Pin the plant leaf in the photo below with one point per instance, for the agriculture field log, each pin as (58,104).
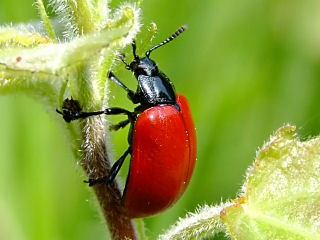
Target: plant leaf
(281,196)
(27,58)
(205,222)
(76,68)
(20,37)
(52,58)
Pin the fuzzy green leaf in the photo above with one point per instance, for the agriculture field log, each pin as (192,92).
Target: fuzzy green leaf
(28,58)
(53,58)
(17,37)
(205,222)
(281,197)
(77,67)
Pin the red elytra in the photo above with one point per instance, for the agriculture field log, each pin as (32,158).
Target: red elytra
(163,159)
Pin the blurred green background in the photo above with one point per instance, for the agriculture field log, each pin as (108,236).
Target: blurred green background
(247,68)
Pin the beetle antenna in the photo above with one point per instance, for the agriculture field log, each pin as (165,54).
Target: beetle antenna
(134,47)
(124,61)
(173,36)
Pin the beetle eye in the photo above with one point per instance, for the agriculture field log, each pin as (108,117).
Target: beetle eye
(133,65)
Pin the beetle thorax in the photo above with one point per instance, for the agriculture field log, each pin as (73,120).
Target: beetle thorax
(154,87)
(144,66)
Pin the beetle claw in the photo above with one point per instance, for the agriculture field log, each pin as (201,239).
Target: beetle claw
(71,110)
(93,181)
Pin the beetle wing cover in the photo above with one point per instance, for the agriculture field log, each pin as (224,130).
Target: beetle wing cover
(191,131)
(161,167)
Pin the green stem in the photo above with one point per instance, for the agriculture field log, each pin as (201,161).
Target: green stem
(77,69)
(96,164)
(82,16)
(47,24)
(147,39)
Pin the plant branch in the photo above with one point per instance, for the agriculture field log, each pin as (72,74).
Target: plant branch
(96,165)
(82,16)
(76,68)
(46,22)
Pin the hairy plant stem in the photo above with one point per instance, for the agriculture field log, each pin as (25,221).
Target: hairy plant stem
(76,68)
(95,157)
(96,164)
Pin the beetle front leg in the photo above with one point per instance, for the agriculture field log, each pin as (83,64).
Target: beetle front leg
(119,125)
(71,110)
(113,171)
(131,94)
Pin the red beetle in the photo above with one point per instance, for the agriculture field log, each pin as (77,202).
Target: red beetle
(162,138)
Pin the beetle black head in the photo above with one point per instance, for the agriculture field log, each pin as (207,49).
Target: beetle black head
(146,66)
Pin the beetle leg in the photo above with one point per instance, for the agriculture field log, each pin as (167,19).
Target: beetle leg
(92,181)
(134,47)
(115,111)
(131,94)
(124,61)
(116,166)
(71,110)
(121,124)
(113,171)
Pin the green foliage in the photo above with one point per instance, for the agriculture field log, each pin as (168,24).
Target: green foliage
(204,223)
(247,67)
(279,200)
(52,70)
(29,61)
